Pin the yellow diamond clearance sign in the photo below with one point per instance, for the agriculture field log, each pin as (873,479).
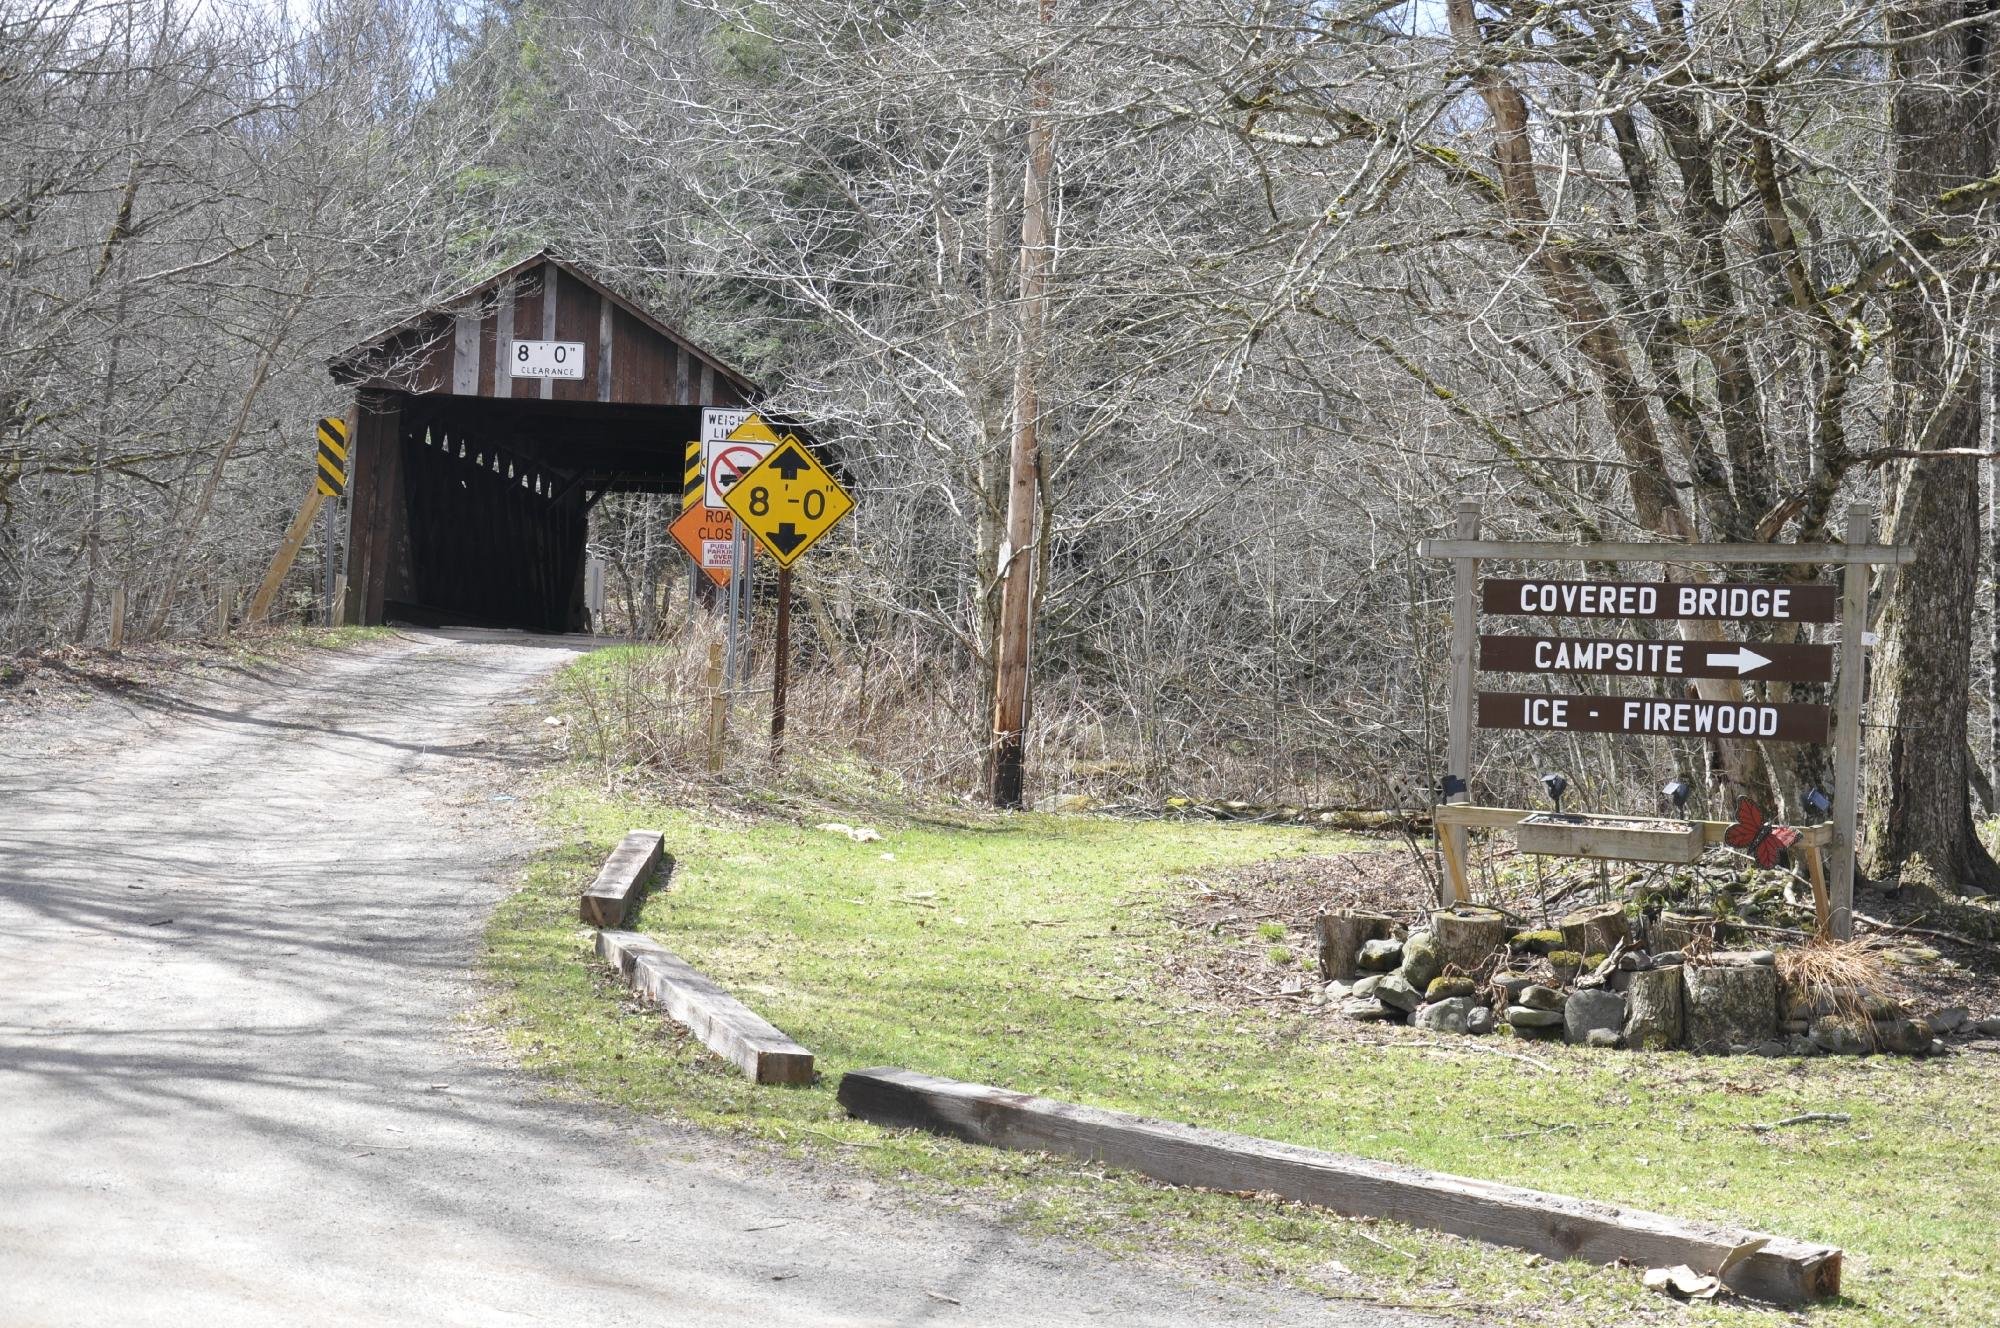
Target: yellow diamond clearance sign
(788,501)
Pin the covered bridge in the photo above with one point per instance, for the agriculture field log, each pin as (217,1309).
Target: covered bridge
(484,429)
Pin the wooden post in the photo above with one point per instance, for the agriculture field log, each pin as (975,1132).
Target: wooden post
(1007,774)
(225,600)
(781,655)
(339,600)
(288,552)
(1847,723)
(717,708)
(1458,758)
(1822,906)
(118,619)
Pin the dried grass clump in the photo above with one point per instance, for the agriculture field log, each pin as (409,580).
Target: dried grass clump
(1836,976)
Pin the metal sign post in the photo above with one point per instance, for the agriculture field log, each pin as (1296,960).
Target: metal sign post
(1730,716)
(326,567)
(781,655)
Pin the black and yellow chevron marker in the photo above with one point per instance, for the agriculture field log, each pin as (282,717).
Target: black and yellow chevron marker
(693,483)
(332,456)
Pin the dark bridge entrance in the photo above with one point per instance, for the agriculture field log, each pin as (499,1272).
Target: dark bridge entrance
(473,481)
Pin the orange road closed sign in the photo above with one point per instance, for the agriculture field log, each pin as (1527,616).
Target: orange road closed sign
(707,533)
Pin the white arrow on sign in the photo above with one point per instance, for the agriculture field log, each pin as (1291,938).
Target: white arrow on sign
(1744,658)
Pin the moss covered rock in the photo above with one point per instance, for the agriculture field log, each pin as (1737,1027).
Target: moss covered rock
(1537,942)
(1444,989)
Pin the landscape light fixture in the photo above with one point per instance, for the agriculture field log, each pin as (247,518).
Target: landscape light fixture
(1818,803)
(1676,791)
(1556,786)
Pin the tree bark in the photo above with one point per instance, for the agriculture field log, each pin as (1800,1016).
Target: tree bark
(1919,817)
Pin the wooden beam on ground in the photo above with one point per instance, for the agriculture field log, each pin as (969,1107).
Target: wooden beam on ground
(622,882)
(724,1024)
(1788,1272)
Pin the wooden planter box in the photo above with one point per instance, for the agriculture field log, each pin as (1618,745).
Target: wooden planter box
(1628,839)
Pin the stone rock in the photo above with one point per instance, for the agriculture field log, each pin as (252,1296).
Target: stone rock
(1839,1037)
(1365,989)
(1905,1037)
(1801,1046)
(1339,991)
(1588,1011)
(1446,1016)
(1523,1016)
(1989,1027)
(1365,1009)
(1444,989)
(1511,985)
(1480,1021)
(1602,1038)
(1421,963)
(1793,1027)
(1772,1048)
(1950,1021)
(1631,961)
(1537,942)
(1541,998)
(1393,990)
(1380,956)
(1730,1005)
(1741,957)
(1654,1018)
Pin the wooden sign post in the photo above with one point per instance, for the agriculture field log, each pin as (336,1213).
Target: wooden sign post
(1638,839)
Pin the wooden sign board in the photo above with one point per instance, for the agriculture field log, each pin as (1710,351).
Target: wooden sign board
(1643,715)
(1713,601)
(1632,658)
(1722,719)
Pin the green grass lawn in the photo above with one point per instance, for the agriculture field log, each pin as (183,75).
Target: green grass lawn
(1023,952)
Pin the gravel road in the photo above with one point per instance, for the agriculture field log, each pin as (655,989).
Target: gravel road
(238,922)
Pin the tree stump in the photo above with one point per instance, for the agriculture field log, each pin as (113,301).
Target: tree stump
(1469,936)
(1730,1005)
(1340,937)
(1594,930)
(1653,1011)
(1676,931)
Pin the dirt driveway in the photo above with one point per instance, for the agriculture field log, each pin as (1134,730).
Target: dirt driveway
(237,934)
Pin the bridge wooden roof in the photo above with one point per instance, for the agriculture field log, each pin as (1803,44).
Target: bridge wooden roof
(631,356)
